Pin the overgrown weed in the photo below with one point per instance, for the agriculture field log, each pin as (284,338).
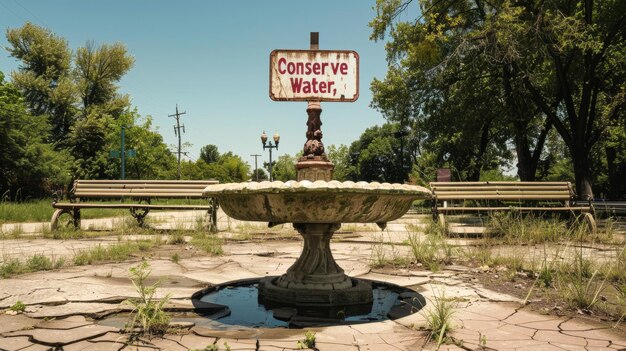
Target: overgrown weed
(148,314)
(379,250)
(439,318)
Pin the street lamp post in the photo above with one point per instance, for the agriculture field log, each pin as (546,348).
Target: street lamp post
(271,146)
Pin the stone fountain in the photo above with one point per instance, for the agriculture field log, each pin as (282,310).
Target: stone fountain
(316,206)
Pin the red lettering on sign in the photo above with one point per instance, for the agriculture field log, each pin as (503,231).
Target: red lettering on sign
(334,67)
(299,85)
(282,60)
(316,68)
(296,84)
(344,68)
(323,87)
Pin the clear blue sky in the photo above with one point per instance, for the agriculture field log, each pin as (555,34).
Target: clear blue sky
(212,58)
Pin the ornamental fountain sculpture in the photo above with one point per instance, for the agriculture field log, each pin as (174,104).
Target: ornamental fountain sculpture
(316,206)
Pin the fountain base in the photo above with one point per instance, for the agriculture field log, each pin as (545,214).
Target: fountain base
(359,293)
(315,279)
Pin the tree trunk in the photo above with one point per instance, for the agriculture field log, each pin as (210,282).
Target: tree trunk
(526,168)
(474,173)
(582,172)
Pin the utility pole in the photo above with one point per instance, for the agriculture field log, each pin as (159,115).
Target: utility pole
(177,133)
(256,169)
(122,154)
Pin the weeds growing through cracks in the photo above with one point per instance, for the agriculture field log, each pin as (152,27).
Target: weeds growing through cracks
(148,314)
(439,318)
(18,307)
(308,342)
(556,254)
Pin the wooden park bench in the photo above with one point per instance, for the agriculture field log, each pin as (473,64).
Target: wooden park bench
(489,197)
(101,193)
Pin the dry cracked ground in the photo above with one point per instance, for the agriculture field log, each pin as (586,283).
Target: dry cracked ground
(75,307)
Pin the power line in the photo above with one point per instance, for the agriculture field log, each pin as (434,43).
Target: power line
(30,12)
(14,14)
(177,128)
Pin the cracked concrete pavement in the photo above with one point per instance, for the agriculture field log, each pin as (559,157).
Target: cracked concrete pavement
(66,309)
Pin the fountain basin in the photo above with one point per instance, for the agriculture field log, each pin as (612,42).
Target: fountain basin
(241,304)
(316,210)
(316,202)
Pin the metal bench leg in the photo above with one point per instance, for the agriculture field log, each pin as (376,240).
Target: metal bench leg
(54,222)
(76,218)
(593,228)
(139,215)
(56,217)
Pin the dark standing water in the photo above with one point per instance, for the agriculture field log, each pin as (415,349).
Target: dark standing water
(246,310)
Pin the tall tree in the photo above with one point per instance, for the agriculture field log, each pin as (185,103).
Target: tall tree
(98,69)
(79,95)
(209,153)
(44,76)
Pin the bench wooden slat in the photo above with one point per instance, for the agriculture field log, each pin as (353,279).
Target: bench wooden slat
(503,192)
(501,197)
(438,189)
(108,205)
(134,191)
(490,209)
(514,183)
(84,182)
(140,195)
(142,186)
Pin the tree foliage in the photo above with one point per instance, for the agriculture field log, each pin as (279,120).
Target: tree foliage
(70,115)
(29,165)
(492,74)
(44,76)
(284,168)
(378,155)
(209,153)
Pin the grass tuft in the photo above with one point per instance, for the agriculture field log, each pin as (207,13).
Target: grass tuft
(112,253)
(210,244)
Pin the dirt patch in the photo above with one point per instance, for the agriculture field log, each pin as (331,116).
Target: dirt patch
(542,299)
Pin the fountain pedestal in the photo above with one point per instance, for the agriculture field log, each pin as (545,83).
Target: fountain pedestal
(314,165)
(315,279)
